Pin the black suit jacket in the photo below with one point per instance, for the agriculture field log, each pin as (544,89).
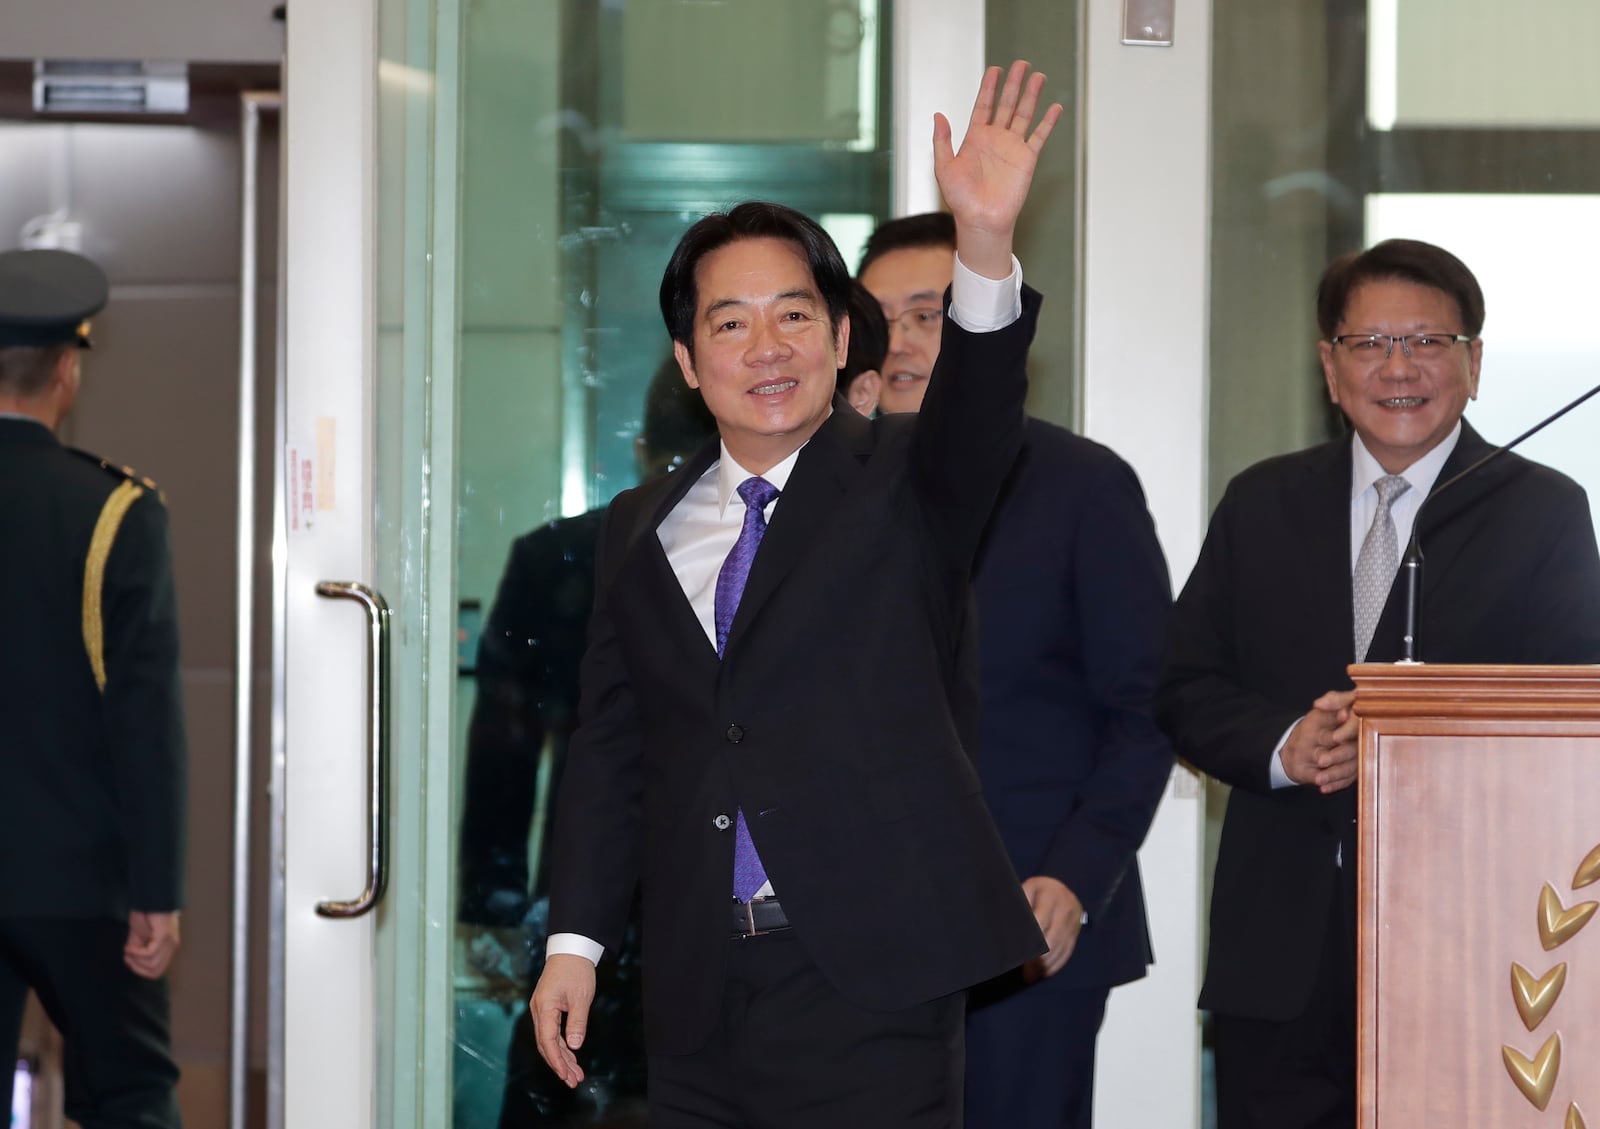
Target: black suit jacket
(840,719)
(527,689)
(92,782)
(1264,626)
(1073,598)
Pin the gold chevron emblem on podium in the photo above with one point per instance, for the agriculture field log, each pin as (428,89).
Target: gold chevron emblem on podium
(1535,996)
(1588,870)
(1536,1078)
(1575,1117)
(1557,924)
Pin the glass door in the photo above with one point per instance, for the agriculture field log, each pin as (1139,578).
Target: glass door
(479,202)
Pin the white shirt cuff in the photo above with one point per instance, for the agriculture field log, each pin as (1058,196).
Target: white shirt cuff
(573,944)
(983,305)
(1280,778)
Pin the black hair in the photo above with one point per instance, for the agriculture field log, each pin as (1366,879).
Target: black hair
(930,229)
(676,419)
(1409,260)
(754,219)
(869,336)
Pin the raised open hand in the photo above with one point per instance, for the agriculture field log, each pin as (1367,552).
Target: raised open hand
(986,182)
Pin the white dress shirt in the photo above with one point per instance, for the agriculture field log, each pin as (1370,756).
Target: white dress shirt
(1364,474)
(702,528)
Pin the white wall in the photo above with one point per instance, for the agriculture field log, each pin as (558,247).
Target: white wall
(936,57)
(1147,235)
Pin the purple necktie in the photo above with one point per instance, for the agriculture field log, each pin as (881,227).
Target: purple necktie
(748,873)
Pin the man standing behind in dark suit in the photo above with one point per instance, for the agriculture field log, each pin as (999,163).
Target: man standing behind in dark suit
(1296,580)
(1073,597)
(91,724)
(820,880)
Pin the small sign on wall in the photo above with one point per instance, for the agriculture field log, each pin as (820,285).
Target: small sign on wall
(1147,23)
(312,485)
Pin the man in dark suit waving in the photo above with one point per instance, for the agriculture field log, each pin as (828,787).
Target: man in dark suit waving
(1296,580)
(820,879)
(1073,598)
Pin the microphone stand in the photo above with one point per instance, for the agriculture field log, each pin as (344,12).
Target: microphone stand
(1411,565)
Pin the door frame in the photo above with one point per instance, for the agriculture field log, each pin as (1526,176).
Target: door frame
(1146,318)
(322,1067)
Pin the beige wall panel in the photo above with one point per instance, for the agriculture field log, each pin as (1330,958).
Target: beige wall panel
(1487,64)
(29,159)
(159,204)
(212,30)
(203,1092)
(200,971)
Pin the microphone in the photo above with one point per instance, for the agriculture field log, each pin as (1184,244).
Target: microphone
(1412,564)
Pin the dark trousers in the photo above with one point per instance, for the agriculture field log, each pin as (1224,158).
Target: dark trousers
(791,1053)
(1300,1074)
(1030,1054)
(114,1024)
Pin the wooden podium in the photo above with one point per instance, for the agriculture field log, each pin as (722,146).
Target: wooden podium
(1479,841)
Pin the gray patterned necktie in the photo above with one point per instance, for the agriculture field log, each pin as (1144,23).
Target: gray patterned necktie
(1375,565)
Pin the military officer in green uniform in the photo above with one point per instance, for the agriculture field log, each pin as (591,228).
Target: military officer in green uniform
(91,723)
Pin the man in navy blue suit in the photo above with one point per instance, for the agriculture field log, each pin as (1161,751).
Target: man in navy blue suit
(1072,595)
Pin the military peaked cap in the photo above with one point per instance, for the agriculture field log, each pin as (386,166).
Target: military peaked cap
(46,297)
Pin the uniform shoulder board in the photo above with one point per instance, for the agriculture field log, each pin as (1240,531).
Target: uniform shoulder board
(124,472)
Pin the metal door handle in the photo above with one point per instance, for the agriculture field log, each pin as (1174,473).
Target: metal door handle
(377,744)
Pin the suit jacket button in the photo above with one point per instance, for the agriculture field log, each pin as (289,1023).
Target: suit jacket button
(735,734)
(722,822)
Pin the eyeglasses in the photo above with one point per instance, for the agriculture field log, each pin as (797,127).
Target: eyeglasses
(1371,348)
(919,322)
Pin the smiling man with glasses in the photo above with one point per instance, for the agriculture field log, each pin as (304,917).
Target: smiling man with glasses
(1403,403)
(1296,580)
(907,264)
